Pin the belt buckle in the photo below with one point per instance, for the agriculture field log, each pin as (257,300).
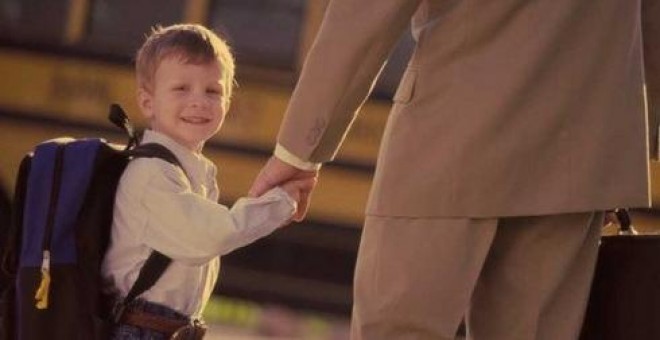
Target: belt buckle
(194,330)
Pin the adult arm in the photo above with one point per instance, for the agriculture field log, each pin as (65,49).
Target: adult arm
(354,40)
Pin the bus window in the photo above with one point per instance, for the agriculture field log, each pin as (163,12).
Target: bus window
(33,21)
(118,27)
(263,33)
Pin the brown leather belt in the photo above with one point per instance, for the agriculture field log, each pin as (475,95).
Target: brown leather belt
(151,321)
(172,328)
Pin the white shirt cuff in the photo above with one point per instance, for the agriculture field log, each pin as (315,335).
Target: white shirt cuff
(293,160)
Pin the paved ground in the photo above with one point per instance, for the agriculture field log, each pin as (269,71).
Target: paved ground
(231,318)
(222,332)
(218,332)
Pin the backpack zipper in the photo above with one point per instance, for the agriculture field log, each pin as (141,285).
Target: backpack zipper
(41,295)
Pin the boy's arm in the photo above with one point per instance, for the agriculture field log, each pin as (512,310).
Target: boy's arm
(189,228)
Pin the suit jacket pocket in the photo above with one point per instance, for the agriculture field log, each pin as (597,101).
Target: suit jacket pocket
(404,92)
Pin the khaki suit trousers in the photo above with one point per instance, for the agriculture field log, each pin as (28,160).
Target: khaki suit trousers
(510,278)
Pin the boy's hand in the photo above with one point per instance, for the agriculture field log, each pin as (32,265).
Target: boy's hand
(297,188)
(276,172)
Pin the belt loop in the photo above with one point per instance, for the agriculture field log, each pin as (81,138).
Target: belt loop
(118,311)
(200,329)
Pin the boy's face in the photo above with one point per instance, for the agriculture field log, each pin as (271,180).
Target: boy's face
(185,102)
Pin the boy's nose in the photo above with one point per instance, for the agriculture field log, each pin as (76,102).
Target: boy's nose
(199,101)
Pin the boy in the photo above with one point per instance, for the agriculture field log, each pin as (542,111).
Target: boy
(185,75)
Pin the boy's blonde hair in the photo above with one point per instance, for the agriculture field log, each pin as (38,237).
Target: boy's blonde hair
(192,43)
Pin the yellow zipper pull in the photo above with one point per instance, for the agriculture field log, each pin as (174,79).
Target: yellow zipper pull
(42,292)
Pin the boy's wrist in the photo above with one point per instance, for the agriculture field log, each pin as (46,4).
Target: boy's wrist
(289,199)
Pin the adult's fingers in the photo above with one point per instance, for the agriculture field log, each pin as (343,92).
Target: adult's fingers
(273,173)
(260,185)
(303,205)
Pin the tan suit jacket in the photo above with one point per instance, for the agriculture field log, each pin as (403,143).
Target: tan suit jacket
(507,107)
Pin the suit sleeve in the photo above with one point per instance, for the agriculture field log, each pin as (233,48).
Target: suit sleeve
(354,40)
(651,36)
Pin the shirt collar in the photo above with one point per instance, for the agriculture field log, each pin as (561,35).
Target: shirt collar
(195,164)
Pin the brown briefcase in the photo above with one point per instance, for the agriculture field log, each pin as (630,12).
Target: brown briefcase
(625,296)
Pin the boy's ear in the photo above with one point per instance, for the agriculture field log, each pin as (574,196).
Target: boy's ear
(145,102)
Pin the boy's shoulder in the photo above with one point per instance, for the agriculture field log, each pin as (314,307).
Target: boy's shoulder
(147,170)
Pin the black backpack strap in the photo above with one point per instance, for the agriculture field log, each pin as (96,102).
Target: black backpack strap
(155,150)
(157,262)
(151,271)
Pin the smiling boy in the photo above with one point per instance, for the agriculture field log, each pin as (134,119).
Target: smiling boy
(185,75)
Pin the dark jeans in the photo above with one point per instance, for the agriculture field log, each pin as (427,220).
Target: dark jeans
(128,332)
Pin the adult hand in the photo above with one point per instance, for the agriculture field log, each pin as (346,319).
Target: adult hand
(276,172)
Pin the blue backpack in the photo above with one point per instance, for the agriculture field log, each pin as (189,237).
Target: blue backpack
(60,231)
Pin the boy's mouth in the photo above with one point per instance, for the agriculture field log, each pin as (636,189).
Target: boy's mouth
(195,120)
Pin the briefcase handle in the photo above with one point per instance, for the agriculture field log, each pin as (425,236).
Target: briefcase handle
(624,222)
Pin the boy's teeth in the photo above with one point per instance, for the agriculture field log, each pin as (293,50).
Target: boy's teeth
(195,120)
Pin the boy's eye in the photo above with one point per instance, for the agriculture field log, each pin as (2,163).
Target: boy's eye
(180,88)
(213,91)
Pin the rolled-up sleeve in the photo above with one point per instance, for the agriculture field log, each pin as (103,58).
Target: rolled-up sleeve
(192,229)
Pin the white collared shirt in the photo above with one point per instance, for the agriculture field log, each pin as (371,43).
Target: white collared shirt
(158,207)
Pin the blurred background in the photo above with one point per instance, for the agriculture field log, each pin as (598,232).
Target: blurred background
(63,62)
